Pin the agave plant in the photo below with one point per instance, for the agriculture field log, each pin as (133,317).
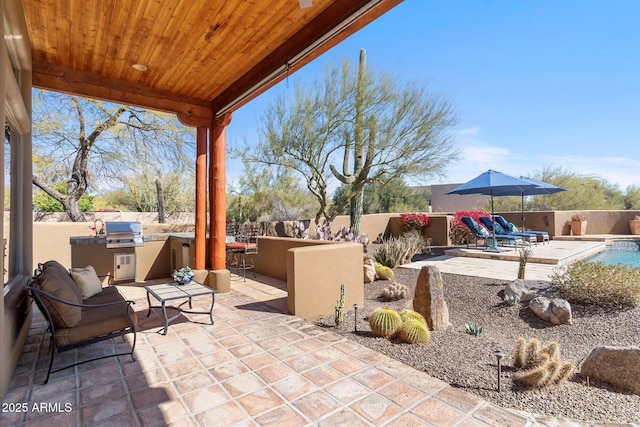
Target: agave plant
(511,299)
(473,329)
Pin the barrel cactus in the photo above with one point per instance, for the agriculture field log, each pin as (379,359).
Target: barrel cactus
(412,315)
(382,272)
(413,331)
(384,322)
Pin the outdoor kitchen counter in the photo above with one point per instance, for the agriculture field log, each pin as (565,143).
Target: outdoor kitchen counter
(102,240)
(88,240)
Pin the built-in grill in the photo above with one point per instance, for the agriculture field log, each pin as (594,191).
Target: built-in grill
(123,234)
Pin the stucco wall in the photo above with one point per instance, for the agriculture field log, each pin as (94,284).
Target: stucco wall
(314,276)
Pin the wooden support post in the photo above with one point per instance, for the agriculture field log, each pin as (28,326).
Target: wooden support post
(201,199)
(218,193)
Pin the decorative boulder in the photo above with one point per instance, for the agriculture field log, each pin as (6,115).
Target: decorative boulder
(616,366)
(369,269)
(526,290)
(556,310)
(429,299)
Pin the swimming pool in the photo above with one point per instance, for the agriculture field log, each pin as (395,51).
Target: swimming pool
(619,252)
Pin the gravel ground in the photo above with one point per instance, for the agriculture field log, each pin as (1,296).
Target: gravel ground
(467,362)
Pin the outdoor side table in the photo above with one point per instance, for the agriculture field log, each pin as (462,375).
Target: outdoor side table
(172,291)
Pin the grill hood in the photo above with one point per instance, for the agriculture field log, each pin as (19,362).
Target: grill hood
(124,234)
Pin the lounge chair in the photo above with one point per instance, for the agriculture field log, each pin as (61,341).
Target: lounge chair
(509,226)
(486,221)
(481,233)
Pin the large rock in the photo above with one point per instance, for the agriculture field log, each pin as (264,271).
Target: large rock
(429,299)
(556,310)
(527,290)
(369,269)
(616,366)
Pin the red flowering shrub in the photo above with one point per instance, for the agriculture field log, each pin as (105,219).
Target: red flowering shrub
(414,221)
(460,233)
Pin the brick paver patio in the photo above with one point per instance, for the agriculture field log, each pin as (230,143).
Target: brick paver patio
(255,366)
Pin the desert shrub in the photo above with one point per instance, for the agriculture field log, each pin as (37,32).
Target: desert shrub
(390,253)
(460,233)
(414,221)
(599,284)
(399,250)
(413,242)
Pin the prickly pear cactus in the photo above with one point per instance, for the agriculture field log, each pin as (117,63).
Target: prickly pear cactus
(413,331)
(384,322)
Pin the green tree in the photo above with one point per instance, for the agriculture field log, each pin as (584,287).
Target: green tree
(379,129)
(139,193)
(94,142)
(392,196)
(268,194)
(632,197)
(583,192)
(45,203)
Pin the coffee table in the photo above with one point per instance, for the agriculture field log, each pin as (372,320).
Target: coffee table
(172,291)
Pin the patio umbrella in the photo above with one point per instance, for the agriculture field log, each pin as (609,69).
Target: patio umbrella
(493,183)
(541,188)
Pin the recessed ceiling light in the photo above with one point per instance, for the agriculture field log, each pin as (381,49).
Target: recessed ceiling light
(305,3)
(139,67)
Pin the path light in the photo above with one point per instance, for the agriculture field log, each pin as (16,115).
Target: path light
(499,355)
(355,317)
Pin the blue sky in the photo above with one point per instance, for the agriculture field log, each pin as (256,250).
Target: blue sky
(535,84)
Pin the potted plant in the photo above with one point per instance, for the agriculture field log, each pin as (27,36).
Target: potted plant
(183,276)
(634,225)
(578,224)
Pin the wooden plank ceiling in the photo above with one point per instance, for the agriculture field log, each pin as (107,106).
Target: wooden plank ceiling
(202,56)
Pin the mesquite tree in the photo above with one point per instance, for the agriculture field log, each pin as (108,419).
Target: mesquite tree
(88,140)
(380,129)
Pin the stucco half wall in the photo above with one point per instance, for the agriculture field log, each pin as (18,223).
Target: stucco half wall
(315,274)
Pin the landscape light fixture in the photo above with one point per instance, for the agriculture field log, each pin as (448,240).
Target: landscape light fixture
(499,354)
(355,317)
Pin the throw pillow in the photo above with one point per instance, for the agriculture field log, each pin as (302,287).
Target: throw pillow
(482,231)
(498,228)
(512,227)
(87,280)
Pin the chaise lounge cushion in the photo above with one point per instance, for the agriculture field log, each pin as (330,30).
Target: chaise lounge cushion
(87,280)
(56,280)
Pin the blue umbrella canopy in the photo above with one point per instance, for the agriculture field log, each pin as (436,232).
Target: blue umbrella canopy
(493,183)
(542,188)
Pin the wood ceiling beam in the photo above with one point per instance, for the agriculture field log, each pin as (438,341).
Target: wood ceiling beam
(330,18)
(190,111)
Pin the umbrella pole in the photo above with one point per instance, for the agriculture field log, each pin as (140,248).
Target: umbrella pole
(493,234)
(522,194)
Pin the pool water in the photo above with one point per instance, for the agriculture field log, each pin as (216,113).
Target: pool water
(620,252)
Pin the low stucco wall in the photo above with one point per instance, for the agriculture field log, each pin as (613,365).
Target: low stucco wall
(438,229)
(314,276)
(557,223)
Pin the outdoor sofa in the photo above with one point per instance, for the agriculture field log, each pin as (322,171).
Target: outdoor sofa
(79,311)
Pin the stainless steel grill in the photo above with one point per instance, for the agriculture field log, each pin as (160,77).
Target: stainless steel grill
(124,234)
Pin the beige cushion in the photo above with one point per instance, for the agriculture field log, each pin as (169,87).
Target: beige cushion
(57,281)
(87,280)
